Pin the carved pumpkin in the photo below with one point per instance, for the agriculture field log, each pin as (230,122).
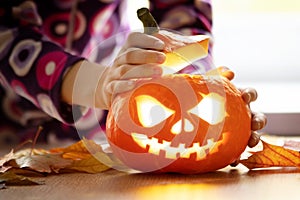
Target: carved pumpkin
(179,123)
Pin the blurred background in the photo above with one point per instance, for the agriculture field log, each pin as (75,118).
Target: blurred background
(259,36)
(259,41)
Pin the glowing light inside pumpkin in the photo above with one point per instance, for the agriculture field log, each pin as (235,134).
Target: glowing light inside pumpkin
(171,152)
(150,111)
(211,108)
(177,127)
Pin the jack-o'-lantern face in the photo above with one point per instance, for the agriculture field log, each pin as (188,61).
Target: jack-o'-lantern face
(179,123)
(151,112)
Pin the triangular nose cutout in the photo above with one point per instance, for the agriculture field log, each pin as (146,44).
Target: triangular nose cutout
(177,127)
(188,126)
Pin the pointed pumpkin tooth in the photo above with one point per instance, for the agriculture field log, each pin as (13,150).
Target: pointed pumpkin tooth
(211,144)
(181,147)
(185,154)
(154,150)
(166,144)
(171,152)
(201,154)
(140,139)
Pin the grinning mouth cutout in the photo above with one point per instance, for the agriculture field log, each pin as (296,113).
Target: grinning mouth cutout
(155,147)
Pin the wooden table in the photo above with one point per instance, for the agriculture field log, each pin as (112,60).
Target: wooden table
(229,183)
(225,184)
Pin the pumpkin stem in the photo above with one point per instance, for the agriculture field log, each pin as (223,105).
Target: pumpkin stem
(150,25)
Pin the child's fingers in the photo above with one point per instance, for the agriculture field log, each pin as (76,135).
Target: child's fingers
(258,121)
(249,95)
(145,41)
(254,139)
(119,86)
(124,77)
(138,71)
(140,56)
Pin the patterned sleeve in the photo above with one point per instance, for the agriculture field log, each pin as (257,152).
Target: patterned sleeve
(33,66)
(190,17)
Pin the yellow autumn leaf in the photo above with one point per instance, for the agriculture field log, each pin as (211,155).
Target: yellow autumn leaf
(272,156)
(79,150)
(85,156)
(90,165)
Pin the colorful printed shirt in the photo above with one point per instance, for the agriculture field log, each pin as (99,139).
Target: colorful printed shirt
(41,40)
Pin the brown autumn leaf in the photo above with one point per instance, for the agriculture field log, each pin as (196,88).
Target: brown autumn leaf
(10,178)
(89,165)
(79,150)
(41,160)
(272,156)
(83,156)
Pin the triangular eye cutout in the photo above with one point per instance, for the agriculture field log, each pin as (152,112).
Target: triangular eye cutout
(150,111)
(211,109)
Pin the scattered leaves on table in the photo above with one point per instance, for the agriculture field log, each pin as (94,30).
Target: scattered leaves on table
(41,160)
(273,156)
(82,156)
(81,153)
(20,167)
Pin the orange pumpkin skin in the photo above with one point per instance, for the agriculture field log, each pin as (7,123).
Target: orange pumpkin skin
(182,139)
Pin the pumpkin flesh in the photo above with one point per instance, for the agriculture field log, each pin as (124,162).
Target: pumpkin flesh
(181,50)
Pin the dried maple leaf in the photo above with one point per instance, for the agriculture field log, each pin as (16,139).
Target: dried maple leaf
(80,156)
(83,154)
(79,150)
(41,160)
(10,178)
(272,156)
(89,165)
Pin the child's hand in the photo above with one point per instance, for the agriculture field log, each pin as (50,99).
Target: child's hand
(92,85)
(139,58)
